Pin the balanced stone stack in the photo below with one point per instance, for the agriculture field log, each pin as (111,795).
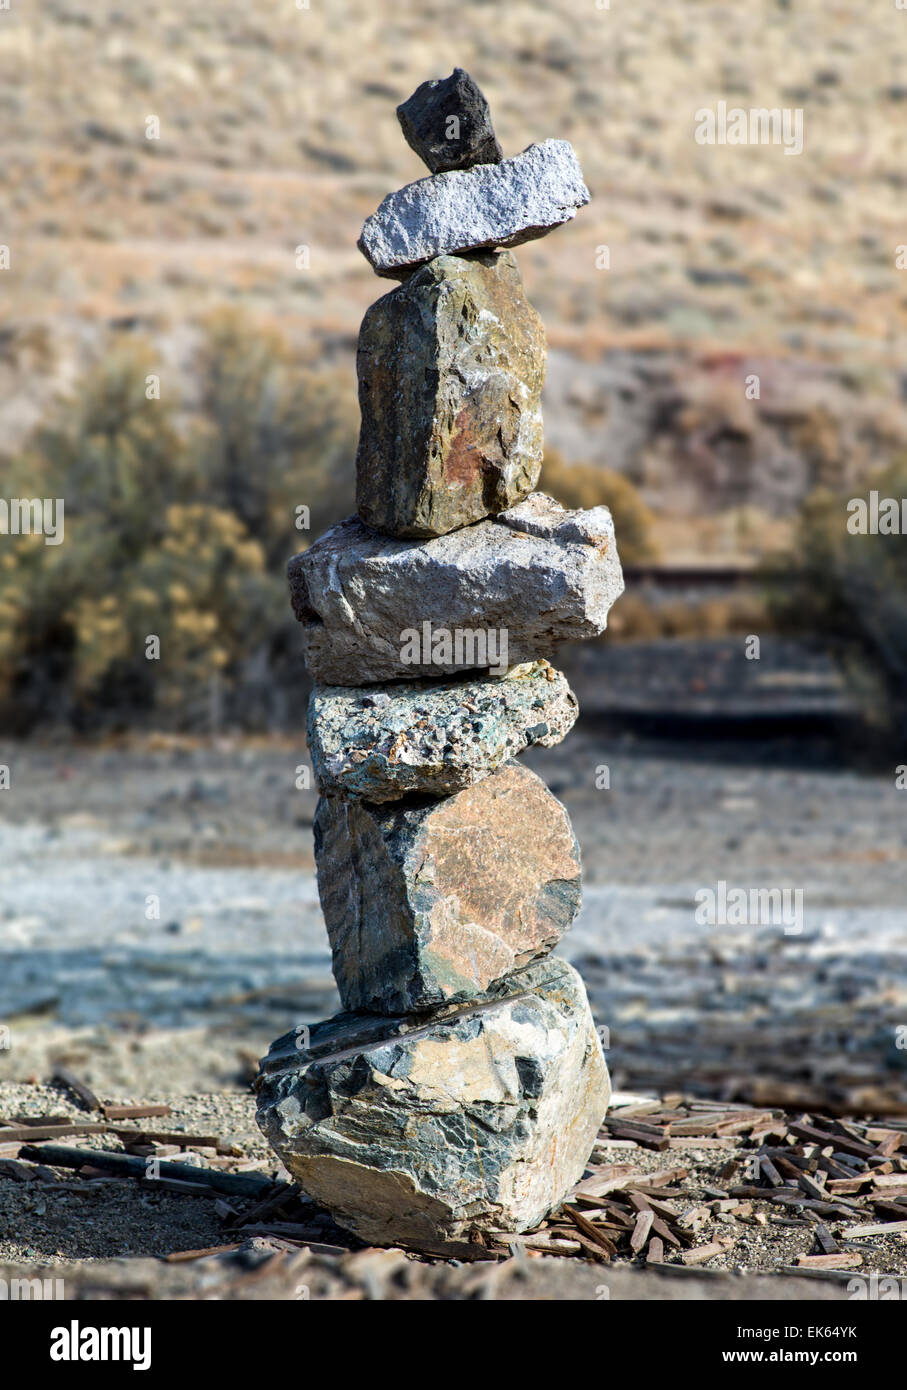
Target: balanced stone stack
(461,1089)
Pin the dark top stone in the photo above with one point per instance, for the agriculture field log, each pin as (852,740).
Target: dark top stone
(444,143)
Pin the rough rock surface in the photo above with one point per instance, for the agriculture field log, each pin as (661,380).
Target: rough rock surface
(539,515)
(356,593)
(489,205)
(429,902)
(451,366)
(432,738)
(416,1134)
(448,124)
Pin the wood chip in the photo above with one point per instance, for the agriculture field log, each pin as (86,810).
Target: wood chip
(843,1259)
(232,1184)
(700,1253)
(826,1240)
(842,1142)
(878,1135)
(78,1088)
(586,1228)
(598,1187)
(892,1211)
(540,1240)
(724,1143)
(178,1256)
(771,1172)
(641,1230)
(35,1134)
(812,1188)
(890,1228)
(134,1112)
(660,1228)
(646,1137)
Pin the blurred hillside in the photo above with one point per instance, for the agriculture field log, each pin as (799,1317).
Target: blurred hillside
(277,129)
(177,258)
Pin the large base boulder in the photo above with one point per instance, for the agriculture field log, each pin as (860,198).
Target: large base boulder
(429,902)
(419,1134)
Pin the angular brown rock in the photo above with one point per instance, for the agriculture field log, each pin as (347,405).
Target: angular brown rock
(451,367)
(429,902)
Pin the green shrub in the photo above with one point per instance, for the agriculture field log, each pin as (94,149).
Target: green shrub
(178,525)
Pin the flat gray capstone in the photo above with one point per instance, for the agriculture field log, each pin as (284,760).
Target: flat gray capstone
(432,737)
(430,901)
(505,204)
(418,1133)
(374,608)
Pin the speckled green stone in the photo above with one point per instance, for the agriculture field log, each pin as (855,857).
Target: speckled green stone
(378,743)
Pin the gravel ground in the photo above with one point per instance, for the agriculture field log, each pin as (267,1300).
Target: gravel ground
(177,1007)
(215,843)
(56,1221)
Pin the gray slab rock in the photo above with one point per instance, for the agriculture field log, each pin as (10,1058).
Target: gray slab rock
(432,901)
(418,1133)
(448,124)
(374,608)
(505,204)
(451,366)
(432,738)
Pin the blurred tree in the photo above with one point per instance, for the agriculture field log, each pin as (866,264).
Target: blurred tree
(180,530)
(270,439)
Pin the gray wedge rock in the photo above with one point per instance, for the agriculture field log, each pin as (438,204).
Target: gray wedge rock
(486,597)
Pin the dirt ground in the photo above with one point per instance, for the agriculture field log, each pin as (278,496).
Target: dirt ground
(160,926)
(103,1235)
(176,1006)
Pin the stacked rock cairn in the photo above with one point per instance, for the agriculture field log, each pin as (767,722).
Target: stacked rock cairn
(461,1090)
